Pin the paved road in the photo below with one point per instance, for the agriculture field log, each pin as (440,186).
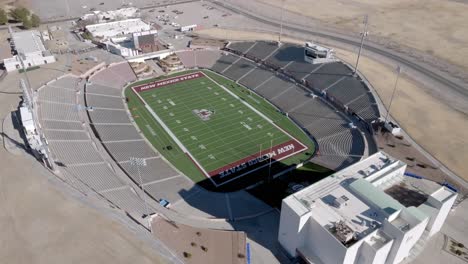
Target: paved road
(458,88)
(430,73)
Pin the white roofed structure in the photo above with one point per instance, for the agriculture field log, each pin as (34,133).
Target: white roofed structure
(117,28)
(28,45)
(367,213)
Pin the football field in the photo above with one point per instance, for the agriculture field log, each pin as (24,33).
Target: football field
(223,135)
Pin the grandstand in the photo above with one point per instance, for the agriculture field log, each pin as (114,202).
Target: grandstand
(92,137)
(78,157)
(339,145)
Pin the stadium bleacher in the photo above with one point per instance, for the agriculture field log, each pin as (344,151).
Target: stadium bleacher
(239,69)
(241,47)
(285,55)
(110,116)
(223,62)
(257,77)
(262,49)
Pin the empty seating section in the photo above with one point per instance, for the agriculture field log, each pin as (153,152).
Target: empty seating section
(312,110)
(109,116)
(66,135)
(69,141)
(370,113)
(123,71)
(109,78)
(98,176)
(256,77)
(102,101)
(292,98)
(74,152)
(327,126)
(241,47)
(127,200)
(336,68)
(328,74)
(273,87)
(361,103)
(224,62)
(207,58)
(165,189)
(63,125)
(66,82)
(262,50)
(285,55)
(55,94)
(117,132)
(103,90)
(300,69)
(57,111)
(347,90)
(123,151)
(187,58)
(156,169)
(239,69)
(320,81)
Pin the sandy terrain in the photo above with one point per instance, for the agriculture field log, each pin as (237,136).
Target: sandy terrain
(40,224)
(435,126)
(436,27)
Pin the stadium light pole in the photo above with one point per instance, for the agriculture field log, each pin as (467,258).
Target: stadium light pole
(363,36)
(393,93)
(269,165)
(281,21)
(140,162)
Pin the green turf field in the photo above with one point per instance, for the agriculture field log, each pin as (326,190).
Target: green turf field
(213,124)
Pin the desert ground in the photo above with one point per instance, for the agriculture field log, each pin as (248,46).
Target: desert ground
(43,221)
(436,27)
(435,126)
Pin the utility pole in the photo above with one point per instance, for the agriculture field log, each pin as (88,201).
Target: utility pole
(393,93)
(281,21)
(140,162)
(363,36)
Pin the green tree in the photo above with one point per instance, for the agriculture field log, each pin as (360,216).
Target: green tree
(27,23)
(3,17)
(20,14)
(35,20)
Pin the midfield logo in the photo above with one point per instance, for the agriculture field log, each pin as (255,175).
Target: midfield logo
(204,114)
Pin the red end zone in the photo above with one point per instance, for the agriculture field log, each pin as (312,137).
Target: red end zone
(277,153)
(162,83)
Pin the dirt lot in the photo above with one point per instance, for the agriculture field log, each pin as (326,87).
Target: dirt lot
(435,126)
(437,27)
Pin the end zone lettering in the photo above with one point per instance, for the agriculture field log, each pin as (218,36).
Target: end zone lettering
(161,83)
(281,151)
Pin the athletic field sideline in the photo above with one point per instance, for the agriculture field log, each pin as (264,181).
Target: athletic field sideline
(223,135)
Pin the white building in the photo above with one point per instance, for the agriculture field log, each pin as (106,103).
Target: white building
(120,50)
(367,213)
(315,54)
(101,16)
(117,28)
(29,46)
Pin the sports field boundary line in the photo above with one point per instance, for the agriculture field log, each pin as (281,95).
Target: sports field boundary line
(255,110)
(169,132)
(300,146)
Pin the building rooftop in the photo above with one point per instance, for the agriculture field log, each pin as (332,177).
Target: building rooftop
(353,201)
(28,41)
(121,27)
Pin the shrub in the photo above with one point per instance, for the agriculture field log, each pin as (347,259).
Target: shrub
(187,255)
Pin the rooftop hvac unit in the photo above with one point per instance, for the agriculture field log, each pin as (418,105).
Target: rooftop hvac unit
(343,232)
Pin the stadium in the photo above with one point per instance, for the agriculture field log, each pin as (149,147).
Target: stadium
(256,144)
(260,113)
